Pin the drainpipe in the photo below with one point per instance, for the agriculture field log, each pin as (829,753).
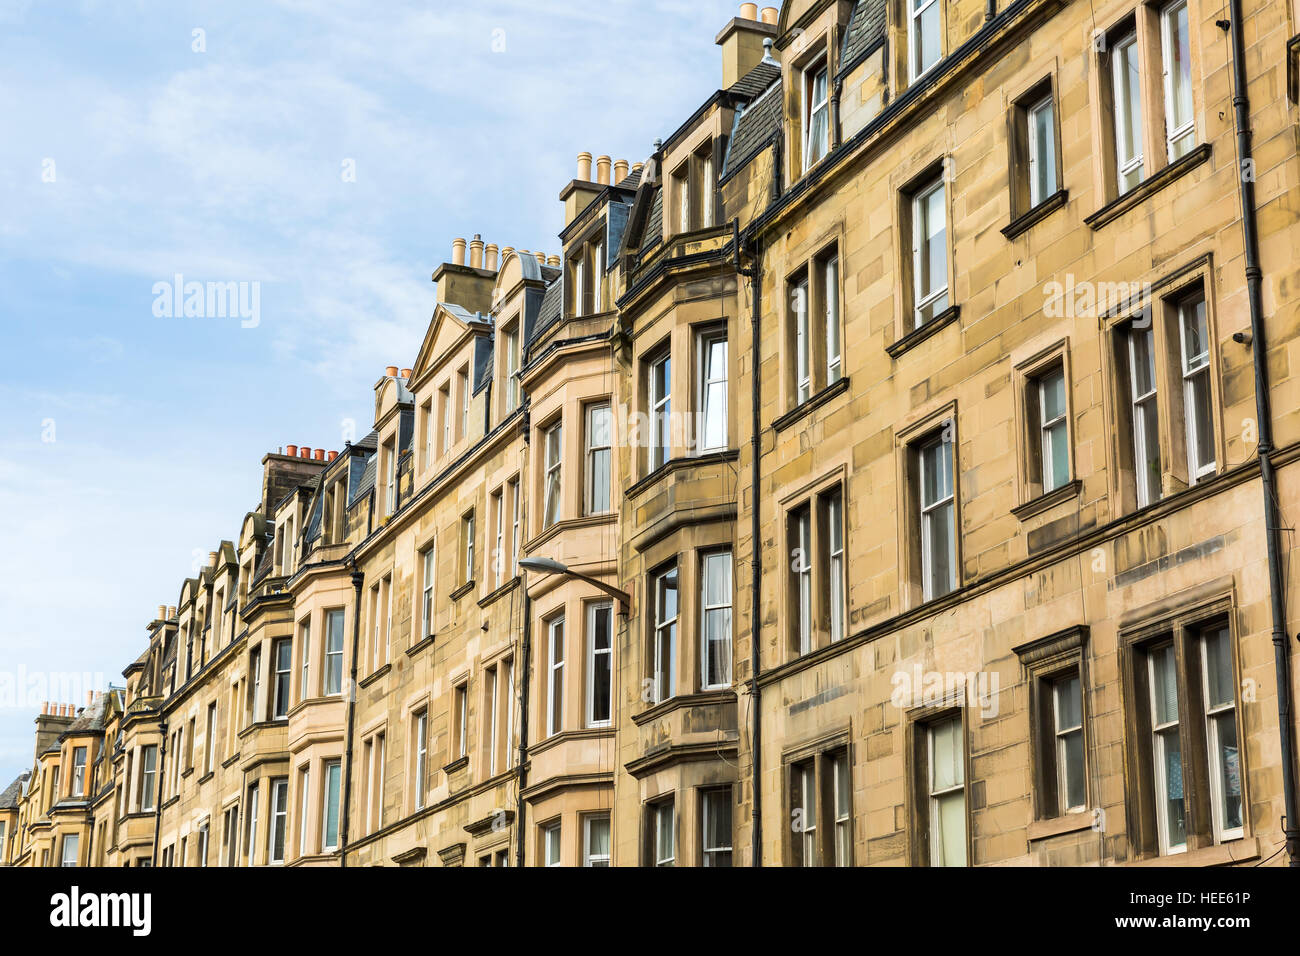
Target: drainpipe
(1264,412)
(525,654)
(357,580)
(157,794)
(755,558)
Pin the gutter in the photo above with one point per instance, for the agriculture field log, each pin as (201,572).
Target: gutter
(357,580)
(525,679)
(753,273)
(1264,413)
(157,793)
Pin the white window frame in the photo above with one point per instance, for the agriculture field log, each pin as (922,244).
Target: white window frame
(928,511)
(707,385)
(1142,442)
(842,808)
(555,657)
(803,582)
(588,857)
(835,564)
(1159,733)
(724,608)
(279,818)
(808,809)
(660,411)
(332,615)
(511,343)
(428,567)
(799,301)
(923,299)
(326,789)
(553,473)
(709,854)
(915,69)
(1128,155)
(593,493)
(817,73)
(830,268)
(1196,375)
(467,528)
(551,845)
(1168,40)
(421,756)
(1047,427)
(79,771)
(304,665)
(73,841)
(595,657)
(1043,167)
(664,650)
(1064,773)
(1214,713)
(938,793)
(664,817)
(254,792)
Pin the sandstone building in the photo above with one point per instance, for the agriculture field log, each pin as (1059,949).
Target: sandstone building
(896,468)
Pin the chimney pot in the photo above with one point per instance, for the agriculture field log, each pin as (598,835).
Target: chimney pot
(320,454)
(553,260)
(476,252)
(584,167)
(506,253)
(620,171)
(171,611)
(602,170)
(390,371)
(541,258)
(749,11)
(45,707)
(458,252)
(90,697)
(212,559)
(304,452)
(291,451)
(769,15)
(162,612)
(406,374)
(491,261)
(332,455)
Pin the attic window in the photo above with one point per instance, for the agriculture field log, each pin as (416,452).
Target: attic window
(816,118)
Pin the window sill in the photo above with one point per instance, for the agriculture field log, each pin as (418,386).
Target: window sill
(461,591)
(1239,850)
(1071,822)
(230,761)
(460,763)
(697,699)
(917,336)
(206,777)
(1043,502)
(187,772)
(810,403)
(419,645)
(1144,190)
(367,681)
(1036,214)
(492,596)
(686,461)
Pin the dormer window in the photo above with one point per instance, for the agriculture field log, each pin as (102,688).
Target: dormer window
(390,478)
(510,341)
(693,186)
(923,41)
(585,267)
(816,120)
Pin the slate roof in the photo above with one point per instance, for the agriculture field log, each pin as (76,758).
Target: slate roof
(630,181)
(548,313)
(754,128)
(866,28)
(654,220)
(756,80)
(10,795)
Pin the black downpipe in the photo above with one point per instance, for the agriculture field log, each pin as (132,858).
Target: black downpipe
(357,580)
(755,557)
(1264,412)
(157,795)
(525,654)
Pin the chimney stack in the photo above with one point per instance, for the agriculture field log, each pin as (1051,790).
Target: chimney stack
(620,171)
(212,559)
(458,252)
(742,41)
(584,167)
(476,252)
(602,170)
(491,253)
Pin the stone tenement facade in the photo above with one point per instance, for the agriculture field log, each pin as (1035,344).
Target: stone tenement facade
(898,467)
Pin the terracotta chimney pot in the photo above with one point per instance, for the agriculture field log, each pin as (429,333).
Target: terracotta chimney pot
(320,454)
(749,11)
(390,371)
(332,456)
(769,15)
(291,451)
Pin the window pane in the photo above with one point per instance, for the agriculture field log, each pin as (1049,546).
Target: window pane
(946,755)
(1218,666)
(1175,823)
(940,543)
(1228,769)
(928,40)
(936,470)
(1069,709)
(1164,690)
(949,839)
(1043,151)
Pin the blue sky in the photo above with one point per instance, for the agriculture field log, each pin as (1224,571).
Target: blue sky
(130,444)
